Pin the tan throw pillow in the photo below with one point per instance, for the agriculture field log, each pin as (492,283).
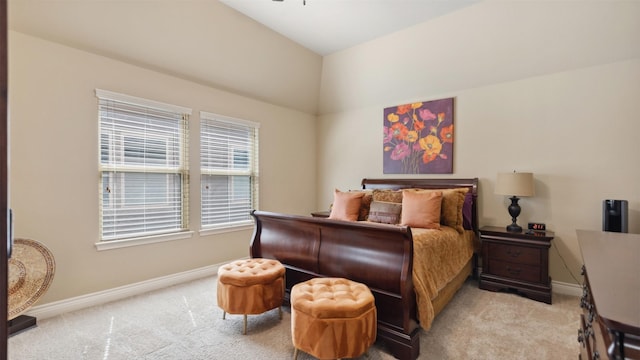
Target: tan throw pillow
(346,205)
(385,212)
(452,203)
(394,196)
(421,209)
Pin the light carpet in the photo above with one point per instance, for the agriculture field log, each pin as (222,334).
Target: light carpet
(184,322)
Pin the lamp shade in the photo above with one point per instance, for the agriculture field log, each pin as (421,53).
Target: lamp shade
(515,184)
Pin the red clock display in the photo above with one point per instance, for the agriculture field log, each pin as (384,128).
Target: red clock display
(537,226)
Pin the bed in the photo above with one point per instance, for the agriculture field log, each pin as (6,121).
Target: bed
(390,259)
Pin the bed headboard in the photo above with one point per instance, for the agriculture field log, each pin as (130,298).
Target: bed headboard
(471,183)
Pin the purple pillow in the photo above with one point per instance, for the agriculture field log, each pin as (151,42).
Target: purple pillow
(467,211)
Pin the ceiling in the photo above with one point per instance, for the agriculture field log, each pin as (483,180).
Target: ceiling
(327,26)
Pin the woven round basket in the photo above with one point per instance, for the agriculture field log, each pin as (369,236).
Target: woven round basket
(31,269)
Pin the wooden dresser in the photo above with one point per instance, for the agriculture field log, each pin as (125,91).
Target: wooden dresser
(610,321)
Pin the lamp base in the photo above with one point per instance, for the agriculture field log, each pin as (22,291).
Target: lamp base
(515,228)
(514,211)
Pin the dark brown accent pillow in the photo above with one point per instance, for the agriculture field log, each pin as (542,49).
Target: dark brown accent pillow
(365,206)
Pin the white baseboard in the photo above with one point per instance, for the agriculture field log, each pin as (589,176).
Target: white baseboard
(101,297)
(559,287)
(566,288)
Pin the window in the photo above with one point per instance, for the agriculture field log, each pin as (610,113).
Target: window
(143,167)
(229,171)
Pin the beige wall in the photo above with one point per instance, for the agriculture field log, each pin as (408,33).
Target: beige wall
(203,41)
(482,44)
(54,163)
(542,91)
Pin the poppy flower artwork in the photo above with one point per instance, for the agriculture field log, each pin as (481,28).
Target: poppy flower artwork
(418,138)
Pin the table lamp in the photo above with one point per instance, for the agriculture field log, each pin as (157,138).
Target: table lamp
(515,184)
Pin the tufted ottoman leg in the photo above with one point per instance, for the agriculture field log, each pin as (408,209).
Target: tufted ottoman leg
(244,325)
(244,321)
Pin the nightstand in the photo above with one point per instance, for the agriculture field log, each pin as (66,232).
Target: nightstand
(321,214)
(517,262)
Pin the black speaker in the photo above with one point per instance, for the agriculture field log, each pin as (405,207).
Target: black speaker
(615,215)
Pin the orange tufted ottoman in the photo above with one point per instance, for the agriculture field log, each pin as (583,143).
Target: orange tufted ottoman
(250,286)
(332,318)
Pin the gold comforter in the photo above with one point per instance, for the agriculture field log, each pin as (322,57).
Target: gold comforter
(438,256)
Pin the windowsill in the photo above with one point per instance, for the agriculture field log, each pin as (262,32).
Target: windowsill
(116,244)
(221,230)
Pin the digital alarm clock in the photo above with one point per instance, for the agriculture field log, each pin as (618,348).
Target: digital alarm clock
(537,226)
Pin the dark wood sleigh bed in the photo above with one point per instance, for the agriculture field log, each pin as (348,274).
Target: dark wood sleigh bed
(380,256)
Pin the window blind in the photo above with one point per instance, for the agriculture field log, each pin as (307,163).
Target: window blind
(229,170)
(143,166)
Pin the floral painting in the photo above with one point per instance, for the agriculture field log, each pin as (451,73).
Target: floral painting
(418,138)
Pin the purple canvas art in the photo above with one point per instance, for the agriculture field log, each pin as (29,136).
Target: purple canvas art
(418,138)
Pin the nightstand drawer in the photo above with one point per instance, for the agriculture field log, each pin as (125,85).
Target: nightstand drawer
(515,271)
(516,254)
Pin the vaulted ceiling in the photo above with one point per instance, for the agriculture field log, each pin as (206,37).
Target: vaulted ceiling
(327,26)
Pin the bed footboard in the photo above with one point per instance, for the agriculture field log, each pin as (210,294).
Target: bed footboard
(379,256)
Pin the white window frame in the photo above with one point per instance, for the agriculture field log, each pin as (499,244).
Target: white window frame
(252,172)
(118,165)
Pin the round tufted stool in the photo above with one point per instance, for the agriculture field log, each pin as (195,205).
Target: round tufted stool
(332,318)
(250,286)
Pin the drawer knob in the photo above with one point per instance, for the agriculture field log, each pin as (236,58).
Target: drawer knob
(589,332)
(513,271)
(583,298)
(581,337)
(513,253)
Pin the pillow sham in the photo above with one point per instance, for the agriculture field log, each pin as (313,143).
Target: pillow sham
(421,209)
(451,208)
(364,207)
(346,205)
(385,212)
